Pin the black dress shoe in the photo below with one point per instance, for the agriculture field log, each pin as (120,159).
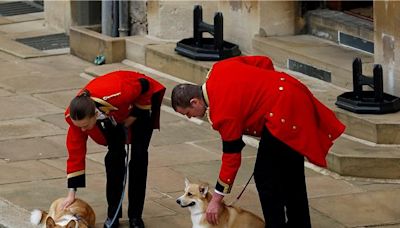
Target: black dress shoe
(107,223)
(136,223)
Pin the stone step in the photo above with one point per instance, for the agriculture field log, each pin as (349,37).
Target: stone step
(314,56)
(351,158)
(358,153)
(341,28)
(382,129)
(160,55)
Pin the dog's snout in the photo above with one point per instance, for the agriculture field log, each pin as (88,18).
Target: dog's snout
(178,201)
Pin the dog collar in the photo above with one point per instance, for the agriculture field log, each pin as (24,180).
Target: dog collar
(66,219)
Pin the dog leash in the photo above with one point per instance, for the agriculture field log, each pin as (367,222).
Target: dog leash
(244,188)
(123,188)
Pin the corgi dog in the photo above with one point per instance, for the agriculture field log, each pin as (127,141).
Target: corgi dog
(78,215)
(197,197)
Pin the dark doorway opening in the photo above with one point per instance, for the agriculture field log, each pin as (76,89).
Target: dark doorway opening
(361,9)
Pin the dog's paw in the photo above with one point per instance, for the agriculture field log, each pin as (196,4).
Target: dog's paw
(36,216)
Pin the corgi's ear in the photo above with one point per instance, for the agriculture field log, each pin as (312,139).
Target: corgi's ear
(71,224)
(187,182)
(203,188)
(50,222)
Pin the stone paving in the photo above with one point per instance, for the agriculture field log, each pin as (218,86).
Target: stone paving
(33,95)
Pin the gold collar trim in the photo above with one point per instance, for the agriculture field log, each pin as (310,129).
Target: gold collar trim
(106,107)
(205,95)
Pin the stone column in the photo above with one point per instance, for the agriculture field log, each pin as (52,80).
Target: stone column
(57,14)
(280,18)
(386,43)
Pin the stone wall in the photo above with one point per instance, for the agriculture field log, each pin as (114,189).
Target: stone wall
(57,14)
(386,41)
(173,20)
(280,18)
(138,17)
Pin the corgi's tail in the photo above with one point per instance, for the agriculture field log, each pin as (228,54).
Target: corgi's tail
(38,216)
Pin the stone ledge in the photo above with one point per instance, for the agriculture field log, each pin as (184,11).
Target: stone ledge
(315,52)
(87,43)
(351,158)
(162,57)
(347,157)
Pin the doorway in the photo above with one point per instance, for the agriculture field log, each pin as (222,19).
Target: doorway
(361,9)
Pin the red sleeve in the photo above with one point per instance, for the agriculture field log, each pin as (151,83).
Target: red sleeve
(230,131)
(76,145)
(229,168)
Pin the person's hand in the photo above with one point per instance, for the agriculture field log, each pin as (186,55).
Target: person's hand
(68,200)
(214,208)
(129,121)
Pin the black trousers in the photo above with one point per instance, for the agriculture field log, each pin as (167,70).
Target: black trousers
(115,166)
(280,181)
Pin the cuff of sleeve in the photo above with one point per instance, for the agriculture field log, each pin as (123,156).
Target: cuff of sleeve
(222,187)
(77,182)
(215,190)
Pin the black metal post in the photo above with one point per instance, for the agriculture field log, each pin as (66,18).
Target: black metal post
(197,19)
(200,48)
(378,82)
(219,32)
(357,73)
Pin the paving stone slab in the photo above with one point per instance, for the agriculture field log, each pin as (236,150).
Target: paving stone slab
(22,106)
(5,92)
(43,83)
(169,155)
(153,209)
(178,221)
(179,132)
(4,20)
(319,220)
(165,179)
(59,66)
(323,186)
(23,27)
(215,146)
(11,68)
(60,99)
(170,202)
(363,209)
(92,167)
(30,149)
(23,171)
(12,215)
(57,119)
(208,171)
(106,68)
(23,17)
(167,117)
(26,128)
(375,185)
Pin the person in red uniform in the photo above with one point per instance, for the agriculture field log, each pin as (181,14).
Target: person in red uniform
(114,109)
(246,96)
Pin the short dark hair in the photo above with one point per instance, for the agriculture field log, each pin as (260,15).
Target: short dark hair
(82,106)
(183,93)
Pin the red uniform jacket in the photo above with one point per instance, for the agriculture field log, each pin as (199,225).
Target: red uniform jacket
(244,94)
(119,91)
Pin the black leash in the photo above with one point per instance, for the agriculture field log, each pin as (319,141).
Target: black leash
(244,188)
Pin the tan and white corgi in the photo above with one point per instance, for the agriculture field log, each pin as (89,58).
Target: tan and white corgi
(196,199)
(78,215)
